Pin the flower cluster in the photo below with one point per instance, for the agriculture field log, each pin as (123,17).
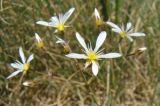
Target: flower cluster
(90,54)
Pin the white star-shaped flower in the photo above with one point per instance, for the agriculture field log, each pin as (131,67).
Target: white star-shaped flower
(92,55)
(59,21)
(39,41)
(99,21)
(125,32)
(21,66)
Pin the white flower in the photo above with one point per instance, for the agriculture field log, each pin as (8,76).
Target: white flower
(39,41)
(138,51)
(125,32)
(142,49)
(59,40)
(99,21)
(58,21)
(91,55)
(29,83)
(21,66)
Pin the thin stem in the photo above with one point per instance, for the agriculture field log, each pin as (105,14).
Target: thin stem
(87,85)
(108,79)
(117,9)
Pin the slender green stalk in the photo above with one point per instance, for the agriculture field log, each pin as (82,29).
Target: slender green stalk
(129,48)
(105,8)
(117,2)
(50,9)
(108,79)
(88,86)
(128,14)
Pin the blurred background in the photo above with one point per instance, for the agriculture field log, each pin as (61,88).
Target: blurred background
(56,80)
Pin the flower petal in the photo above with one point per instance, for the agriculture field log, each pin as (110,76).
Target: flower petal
(110,55)
(95,68)
(30,58)
(67,15)
(45,23)
(54,20)
(129,24)
(96,13)
(81,41)
(142,49)
(114,26)
(14,74)
(22,55)
(87,64)
(37,37)
(130,38)
(16,65)
(100,40)
(115,30)
(137,34)
(77,56)
(59,40)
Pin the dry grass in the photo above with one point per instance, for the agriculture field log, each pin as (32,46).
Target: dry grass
(58,81)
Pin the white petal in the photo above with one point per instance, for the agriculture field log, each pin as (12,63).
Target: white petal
(22,55)
(130,38)
(59,40)
(16,65)
(100,40)
(129,24)
(87,64)
(114,26)
(110,55)
(37,37)
(60,18)
(14,74)
(137,34)
(30,58)
(67,15)
(116,30)
(95,68)
(122,27)
(96,13)
(142,49)
(56,31)
(81,41)
(77,56)
(45,23)
(54,20)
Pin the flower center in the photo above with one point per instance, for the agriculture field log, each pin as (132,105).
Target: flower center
(91,55)
(40,44)
(99,22)
(123,34)
(60,27)
(26,66)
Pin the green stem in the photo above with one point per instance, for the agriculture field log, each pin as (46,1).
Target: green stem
(105,8)
(117,2)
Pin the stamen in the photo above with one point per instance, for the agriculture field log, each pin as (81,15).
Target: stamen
(26,66)
(91,55)
(40,44)
(123,34)
(60,27)
(99,22)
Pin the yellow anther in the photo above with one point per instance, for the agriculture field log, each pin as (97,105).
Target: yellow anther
(26,66)
(40,44)
(99,22)
(91,55)
(60,27)
(123,34)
